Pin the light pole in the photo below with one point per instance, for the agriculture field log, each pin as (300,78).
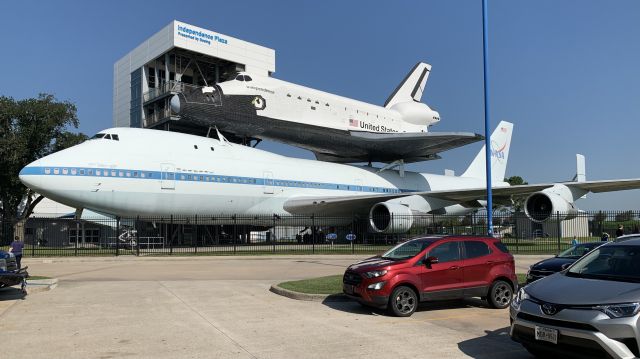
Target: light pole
(487,138)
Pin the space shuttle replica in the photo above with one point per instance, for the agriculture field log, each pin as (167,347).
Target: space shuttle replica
(336,129)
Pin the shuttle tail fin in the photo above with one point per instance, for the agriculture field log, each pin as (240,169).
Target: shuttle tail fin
(500,143)
(412,87)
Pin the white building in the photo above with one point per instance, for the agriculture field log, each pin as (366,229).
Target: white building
(176,57)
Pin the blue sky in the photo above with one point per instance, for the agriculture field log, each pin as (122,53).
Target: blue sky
(565,72)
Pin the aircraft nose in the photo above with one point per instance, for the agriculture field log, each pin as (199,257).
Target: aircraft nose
(30,176)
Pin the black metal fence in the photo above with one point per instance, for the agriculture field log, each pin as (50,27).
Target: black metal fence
(239,235)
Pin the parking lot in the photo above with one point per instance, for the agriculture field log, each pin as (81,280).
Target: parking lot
(220,307)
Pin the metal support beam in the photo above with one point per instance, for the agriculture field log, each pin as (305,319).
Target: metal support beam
(392,165)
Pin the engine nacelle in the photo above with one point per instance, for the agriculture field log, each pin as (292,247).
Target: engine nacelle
(552,203)
(388,217)
(417,113)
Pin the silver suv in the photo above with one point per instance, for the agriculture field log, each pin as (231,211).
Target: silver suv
(590,310)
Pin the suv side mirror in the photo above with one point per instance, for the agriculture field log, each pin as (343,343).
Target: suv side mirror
(430,260)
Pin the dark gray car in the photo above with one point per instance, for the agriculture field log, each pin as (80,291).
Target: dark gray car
(590,310)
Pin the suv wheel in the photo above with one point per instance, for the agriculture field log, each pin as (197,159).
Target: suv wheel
(403,301)
(500,294)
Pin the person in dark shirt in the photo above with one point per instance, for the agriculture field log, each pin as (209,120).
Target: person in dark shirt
(620,231)
(16,248)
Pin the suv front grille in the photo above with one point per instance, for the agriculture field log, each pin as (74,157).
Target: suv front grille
(351,277)
(556,322)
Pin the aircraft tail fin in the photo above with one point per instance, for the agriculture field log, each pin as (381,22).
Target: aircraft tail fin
(412,87)
(500,143)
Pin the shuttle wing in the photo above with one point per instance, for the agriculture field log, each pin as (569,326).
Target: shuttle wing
(362,204)
(389,147)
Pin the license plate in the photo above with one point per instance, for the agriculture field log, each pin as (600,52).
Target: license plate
(348,288)
(547,334)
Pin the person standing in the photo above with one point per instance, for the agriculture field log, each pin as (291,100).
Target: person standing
(16,248)
(620,231)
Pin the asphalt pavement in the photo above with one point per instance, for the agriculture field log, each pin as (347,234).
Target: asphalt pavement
(221,307)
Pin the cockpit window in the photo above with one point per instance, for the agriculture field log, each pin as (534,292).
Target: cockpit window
(240,77)
(106,136)
(247,78)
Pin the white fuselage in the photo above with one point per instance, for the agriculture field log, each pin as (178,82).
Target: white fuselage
(290,102)
(160,173)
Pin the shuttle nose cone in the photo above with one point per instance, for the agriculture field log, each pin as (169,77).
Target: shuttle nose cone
(175,104)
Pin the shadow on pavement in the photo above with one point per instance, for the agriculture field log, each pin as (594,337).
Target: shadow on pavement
(495,344)
(352,306)
(11,293)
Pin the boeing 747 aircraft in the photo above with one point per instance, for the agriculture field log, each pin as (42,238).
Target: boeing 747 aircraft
(129,172)
(334,128)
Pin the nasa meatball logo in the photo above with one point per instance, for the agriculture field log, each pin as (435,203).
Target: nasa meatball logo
(259,103)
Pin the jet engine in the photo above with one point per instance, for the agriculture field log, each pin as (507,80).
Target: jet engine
(388,217)
(417,113)
(556,202)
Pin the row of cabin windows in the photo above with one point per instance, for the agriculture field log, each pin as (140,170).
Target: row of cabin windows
(97,172)
(327,105)
(203,178)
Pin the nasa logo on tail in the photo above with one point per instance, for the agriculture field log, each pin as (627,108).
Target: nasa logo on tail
(497,149)
(259,103)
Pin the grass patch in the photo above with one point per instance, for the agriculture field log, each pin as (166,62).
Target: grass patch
(333,284)
(323,285)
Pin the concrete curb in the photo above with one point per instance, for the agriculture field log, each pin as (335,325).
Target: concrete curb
(41,285)
(309,297)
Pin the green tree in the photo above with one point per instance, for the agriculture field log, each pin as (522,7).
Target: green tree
(30,129)
(517,202)
(624,216)
(515,180)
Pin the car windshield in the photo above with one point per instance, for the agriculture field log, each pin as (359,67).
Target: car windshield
(577,251)
(408,249)
(609,262)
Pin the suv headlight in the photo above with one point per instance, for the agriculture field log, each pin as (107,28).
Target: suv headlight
(3,265)
(619,310)
(375,273)
(519,298)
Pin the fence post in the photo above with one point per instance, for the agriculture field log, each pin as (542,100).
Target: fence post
(75,249)
(195,242)
(138,237)
(235,232)
(117,236)
(33,243)
(273,237)
(313,234)
(171,235)
(559,228)
(353,221)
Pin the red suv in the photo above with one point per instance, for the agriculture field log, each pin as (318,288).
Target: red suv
(434,268)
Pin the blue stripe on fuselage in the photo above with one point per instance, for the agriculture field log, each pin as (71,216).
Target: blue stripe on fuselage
(197,177)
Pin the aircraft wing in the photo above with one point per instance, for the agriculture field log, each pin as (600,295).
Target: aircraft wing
(361,204)
(606,185)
